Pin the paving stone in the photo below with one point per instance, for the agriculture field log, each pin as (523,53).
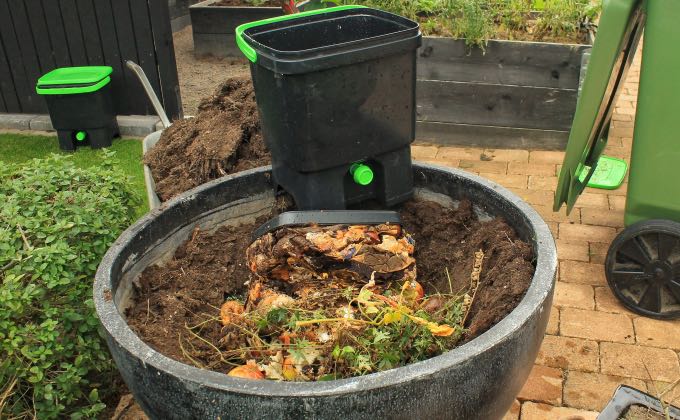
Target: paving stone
(506,155)
(508,181)
(574,295)
(481,166)
(419,152)
(453,163)
(534,197)
(16,121)
(41,123)
(547,213)
(588,233)
(617,202)
(605,301)
(611,218)
(542,182)
(544,385)
(635,361)
(592,391)
(621,191)
(582,273)
(553,322)
(545,156)
(545,169)
(569,353)
(137,125)
(577,250)
(538,411)
(598,252)
(598,201)
(468,153)
(593,325)
(656,333)
(513,412)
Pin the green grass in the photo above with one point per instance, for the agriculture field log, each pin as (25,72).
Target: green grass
(18,148)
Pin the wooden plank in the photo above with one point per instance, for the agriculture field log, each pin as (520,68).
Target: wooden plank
(14,59)
(146,51)
(9,93)
(29,56)
(133,93)
(447,134)
(109,41)
(3,107)
(208,19)
(90,30)
(41,35)
(504,62)
(165,55)
(495,105)
(57,33)
(74,33)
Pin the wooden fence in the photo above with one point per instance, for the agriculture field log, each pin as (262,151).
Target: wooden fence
(37,36)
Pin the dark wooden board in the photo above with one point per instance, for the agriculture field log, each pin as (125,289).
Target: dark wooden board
(57,33)
(74,33)
(146,53)
(41,35)
(165,55)
(503,62)
(220,20)
(9,96)
(90,30)
(128,51)
(216,45)
(28,54)
(490,137)
(14,60)
(495,105)
(111,52)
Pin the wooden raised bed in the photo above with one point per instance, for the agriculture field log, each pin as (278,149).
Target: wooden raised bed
(214,26)
(515,95)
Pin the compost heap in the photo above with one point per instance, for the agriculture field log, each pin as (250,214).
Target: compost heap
(223,138)
(334,302)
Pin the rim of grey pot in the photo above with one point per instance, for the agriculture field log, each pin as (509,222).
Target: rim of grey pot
(541,286)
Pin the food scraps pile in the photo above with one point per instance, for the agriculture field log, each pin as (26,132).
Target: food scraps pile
(333,302)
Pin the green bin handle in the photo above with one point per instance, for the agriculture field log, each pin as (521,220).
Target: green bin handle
(251,54)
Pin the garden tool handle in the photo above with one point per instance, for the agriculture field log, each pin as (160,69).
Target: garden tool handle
(139,72)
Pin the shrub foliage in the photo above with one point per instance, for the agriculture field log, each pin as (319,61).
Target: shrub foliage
(56,223)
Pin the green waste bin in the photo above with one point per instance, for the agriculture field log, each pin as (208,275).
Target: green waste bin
(80,103)
(643,262)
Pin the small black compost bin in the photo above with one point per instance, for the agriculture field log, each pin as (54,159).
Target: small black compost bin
(81,106)
(478,380)
(335,90)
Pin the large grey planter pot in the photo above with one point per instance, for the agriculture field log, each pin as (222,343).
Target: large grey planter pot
(478,380)
(214,27)
(149,142)
(515,94)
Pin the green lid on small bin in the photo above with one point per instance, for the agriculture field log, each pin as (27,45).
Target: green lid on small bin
(74,80)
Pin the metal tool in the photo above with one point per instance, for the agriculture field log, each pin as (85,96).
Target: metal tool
(139,72)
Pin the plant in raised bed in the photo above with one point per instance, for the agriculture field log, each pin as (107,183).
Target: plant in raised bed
(56,222)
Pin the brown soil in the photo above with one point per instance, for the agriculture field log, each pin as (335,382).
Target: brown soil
(207,269)
(199,76)
(640,412)
(223,138)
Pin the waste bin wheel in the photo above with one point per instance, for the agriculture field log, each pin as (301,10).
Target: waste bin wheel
(643,268)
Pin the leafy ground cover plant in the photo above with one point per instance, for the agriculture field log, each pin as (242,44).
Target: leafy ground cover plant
(56,222)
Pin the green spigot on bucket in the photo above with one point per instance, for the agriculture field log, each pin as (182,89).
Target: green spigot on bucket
(81,136)
(362,174)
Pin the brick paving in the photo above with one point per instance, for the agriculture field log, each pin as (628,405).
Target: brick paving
(592,343)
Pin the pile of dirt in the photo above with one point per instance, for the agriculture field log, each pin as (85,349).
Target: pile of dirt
(177,306)
(224,138)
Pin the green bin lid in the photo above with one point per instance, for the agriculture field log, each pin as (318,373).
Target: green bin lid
(72,80)
(619,31)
